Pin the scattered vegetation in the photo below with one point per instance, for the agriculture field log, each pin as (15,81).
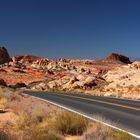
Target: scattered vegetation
(68,123)
(38,124)
(97,131)
(118,135)
(5,95)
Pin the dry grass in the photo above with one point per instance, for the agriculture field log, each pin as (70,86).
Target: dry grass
(68,123)
(5,135)
(41,121)
(97,131)
(5,95)
(32,130)
(31,123)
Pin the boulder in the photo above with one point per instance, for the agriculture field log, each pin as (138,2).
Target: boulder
(72,80)
(4,55)
(41,86)
(52,84)
(77,84)
(81,77)
(90,81)
(52,66)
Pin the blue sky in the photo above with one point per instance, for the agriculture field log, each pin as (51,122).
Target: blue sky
(70,28)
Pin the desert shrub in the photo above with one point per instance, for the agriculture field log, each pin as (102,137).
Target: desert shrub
(68,123)
(5,95)
(119,135)
(5,135)
(97,131)
(39,114)
(32,129)
(36,133)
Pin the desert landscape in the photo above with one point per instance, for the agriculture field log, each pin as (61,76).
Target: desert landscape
(114,75)
(69,70)
(24,118)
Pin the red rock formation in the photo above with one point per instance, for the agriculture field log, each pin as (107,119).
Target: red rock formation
(114,57)
(25,58)
(4,55)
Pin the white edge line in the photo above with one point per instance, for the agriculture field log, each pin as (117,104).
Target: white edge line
(66,108)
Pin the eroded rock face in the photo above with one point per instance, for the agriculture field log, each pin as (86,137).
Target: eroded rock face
(118,57)
(4,55)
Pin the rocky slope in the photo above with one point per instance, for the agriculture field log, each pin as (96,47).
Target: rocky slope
(124,81)
(114,76)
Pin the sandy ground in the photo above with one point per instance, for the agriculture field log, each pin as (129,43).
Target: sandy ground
(73,138)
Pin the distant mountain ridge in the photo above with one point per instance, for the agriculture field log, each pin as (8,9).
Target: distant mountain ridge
(112,58)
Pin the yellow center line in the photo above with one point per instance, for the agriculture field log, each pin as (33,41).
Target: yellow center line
(100,101)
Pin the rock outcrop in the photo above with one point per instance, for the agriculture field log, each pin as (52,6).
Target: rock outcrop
(135,65)
(40,63)
(25,58)
(4,55)
(114,57)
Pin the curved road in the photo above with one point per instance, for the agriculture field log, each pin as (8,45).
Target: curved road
(123,114)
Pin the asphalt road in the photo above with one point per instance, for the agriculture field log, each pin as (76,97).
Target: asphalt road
(123,114)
